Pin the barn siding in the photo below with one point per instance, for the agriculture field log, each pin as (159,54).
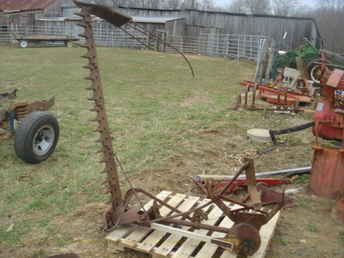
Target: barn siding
(229,23)
(269,26)
(198,32)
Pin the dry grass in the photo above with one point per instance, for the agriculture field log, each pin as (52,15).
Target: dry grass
(166,126)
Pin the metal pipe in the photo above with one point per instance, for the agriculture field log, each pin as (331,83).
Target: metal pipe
(293,171)
(195,225)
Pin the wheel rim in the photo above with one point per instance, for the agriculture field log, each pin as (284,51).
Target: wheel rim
(13,125)
(23,44)
(43,140)
(316,73)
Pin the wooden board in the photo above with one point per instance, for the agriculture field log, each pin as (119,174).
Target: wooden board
(160,244)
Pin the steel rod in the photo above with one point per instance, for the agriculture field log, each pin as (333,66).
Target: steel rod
(293,171)
(195,225)
(242,169)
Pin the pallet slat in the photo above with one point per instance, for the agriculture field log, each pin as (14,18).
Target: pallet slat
(136,236)
(168,245)
(209,249)
(148,244)
(145,240)
(119,233)
(190,245)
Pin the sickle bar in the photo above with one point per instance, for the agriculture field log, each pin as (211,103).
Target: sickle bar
(97,97)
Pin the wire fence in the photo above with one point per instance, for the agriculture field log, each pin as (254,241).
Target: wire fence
(209,44)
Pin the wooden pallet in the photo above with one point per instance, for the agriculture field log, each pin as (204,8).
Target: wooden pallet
(161,244)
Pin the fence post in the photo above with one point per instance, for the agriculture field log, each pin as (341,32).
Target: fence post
(260,60)
(238,51)
(270,58)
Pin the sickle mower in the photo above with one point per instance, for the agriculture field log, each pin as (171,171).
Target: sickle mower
(36,131)
(243,237)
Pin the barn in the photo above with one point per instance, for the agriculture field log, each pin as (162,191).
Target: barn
(20,16)
(25,12)
(214,33)
(271,26)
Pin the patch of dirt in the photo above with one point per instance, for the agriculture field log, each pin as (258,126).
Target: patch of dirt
(212,132)
(195,100)
(308,230)
(4,135)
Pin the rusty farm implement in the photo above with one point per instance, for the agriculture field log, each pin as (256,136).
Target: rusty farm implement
(292,82)
(246,218)
(35,130)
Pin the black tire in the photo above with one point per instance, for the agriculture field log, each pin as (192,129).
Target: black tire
(36,137)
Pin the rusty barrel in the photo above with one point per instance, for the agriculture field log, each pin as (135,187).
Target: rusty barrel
(327,174)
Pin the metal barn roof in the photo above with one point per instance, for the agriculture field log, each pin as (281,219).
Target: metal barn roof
(162,19)
(24,5)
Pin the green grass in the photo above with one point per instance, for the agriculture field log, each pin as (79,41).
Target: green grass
(302,179)
(341,237)
(312,228)
(156,111)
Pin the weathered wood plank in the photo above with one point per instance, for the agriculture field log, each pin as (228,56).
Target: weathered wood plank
(189,245)
(267,233)
(209,249)
(149,243)
(133,238)
(119,233)
(167,246)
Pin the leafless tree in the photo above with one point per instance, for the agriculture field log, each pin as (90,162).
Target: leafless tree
(237,7)
(335,4)
(190,4)
(251,6)
(173,4)
(115,2)
(284,7)
(329,17)
(258,6)
(207,4)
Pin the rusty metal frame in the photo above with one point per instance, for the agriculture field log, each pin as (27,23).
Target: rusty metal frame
(20,110)
(243,238)
(282,99)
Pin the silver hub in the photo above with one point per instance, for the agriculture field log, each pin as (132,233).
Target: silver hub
(43,140)
(24,44)
(314,73)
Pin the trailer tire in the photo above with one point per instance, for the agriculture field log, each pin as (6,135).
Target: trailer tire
(36,137)
(23,44)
